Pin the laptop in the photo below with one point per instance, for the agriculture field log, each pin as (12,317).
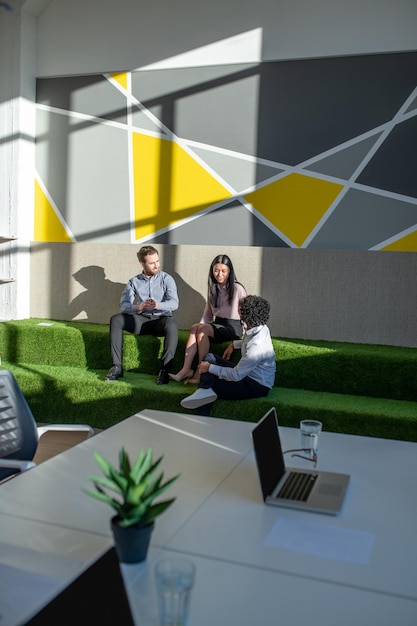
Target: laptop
(97,596)
(295,488)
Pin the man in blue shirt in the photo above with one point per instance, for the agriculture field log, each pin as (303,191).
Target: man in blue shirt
(146,307)
(254,374)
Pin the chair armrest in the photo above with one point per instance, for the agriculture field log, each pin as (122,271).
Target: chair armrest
(66,427)
(19,466)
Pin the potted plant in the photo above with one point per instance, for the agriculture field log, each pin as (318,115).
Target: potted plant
(131,489)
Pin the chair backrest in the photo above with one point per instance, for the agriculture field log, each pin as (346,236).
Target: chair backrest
(18,431)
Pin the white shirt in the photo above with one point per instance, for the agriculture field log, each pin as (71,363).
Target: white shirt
(257,361)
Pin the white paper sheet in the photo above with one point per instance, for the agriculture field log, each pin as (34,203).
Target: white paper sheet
(328,542)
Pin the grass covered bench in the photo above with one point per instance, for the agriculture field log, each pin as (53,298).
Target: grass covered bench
(352,388)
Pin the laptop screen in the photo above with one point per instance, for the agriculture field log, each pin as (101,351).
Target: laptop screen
(268,452)
(97,596)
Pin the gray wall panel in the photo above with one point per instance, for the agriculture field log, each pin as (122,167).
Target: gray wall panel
(367,218)
(90,95)
(394,167)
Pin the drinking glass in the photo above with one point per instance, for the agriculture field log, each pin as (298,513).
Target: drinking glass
(174,581)
(310,431)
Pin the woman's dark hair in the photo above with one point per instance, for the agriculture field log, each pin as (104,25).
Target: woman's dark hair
(213,287)
(254,310)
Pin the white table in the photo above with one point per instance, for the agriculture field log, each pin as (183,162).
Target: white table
(37,561)
(203,451)
(220,521)
(228,594)
(381,501)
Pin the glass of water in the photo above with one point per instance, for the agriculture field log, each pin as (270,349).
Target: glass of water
(174,581)
(310,432)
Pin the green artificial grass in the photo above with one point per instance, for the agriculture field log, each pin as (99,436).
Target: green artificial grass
(357,369)
(66,394)
(352,388)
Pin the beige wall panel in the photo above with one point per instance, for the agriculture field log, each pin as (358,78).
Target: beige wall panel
(365,297)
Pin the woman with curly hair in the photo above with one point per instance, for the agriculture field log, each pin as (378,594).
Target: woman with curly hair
(253,376)
(220,321)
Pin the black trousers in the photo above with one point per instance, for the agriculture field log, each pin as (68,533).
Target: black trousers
(160,326)
(227,389)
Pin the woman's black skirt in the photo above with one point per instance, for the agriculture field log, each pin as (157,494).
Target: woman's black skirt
(226,330)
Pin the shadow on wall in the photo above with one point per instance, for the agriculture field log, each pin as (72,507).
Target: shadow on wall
(191,303)
(100,298)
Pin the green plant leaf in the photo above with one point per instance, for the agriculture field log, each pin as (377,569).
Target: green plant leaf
(105,482)
(136,486)
(141,469)
(152,468)
(153,486)
(135,493)
(104,465)
(139,510)
(136,469)
(165,486)
(124,463)
(131,521)
(103,497)
(121,481)
(156,510)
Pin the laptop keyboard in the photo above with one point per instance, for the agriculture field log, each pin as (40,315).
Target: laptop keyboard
(298,486)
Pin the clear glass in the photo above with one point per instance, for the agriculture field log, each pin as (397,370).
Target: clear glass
(310,432)
(174,581)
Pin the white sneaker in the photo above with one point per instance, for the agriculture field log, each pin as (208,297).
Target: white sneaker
(199,398)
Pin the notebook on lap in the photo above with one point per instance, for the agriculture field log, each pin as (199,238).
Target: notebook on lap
(306,489)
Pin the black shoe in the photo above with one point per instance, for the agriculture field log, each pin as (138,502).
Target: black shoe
(114,373)
(163,378)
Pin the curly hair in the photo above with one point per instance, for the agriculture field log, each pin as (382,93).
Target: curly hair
(213,287)
(254,310)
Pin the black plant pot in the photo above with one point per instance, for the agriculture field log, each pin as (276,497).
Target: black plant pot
(131,542)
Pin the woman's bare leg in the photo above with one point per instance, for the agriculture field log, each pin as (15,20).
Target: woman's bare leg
(204,334)
(190,352)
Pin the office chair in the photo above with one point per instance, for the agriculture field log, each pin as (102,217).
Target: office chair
(19,433)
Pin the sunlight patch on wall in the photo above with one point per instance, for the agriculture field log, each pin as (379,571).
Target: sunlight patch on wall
(169,185)
(242,48)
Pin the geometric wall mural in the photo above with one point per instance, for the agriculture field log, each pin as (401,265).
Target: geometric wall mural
(317,153)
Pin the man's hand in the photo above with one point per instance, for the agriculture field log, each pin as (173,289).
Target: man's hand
(228,352)
(150,304)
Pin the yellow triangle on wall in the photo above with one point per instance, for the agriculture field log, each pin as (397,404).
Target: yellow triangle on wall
(294,204)
(406,244)
(169,185)
(121,78)
(48,227)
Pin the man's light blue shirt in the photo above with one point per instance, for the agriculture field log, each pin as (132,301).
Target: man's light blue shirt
(161,287)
